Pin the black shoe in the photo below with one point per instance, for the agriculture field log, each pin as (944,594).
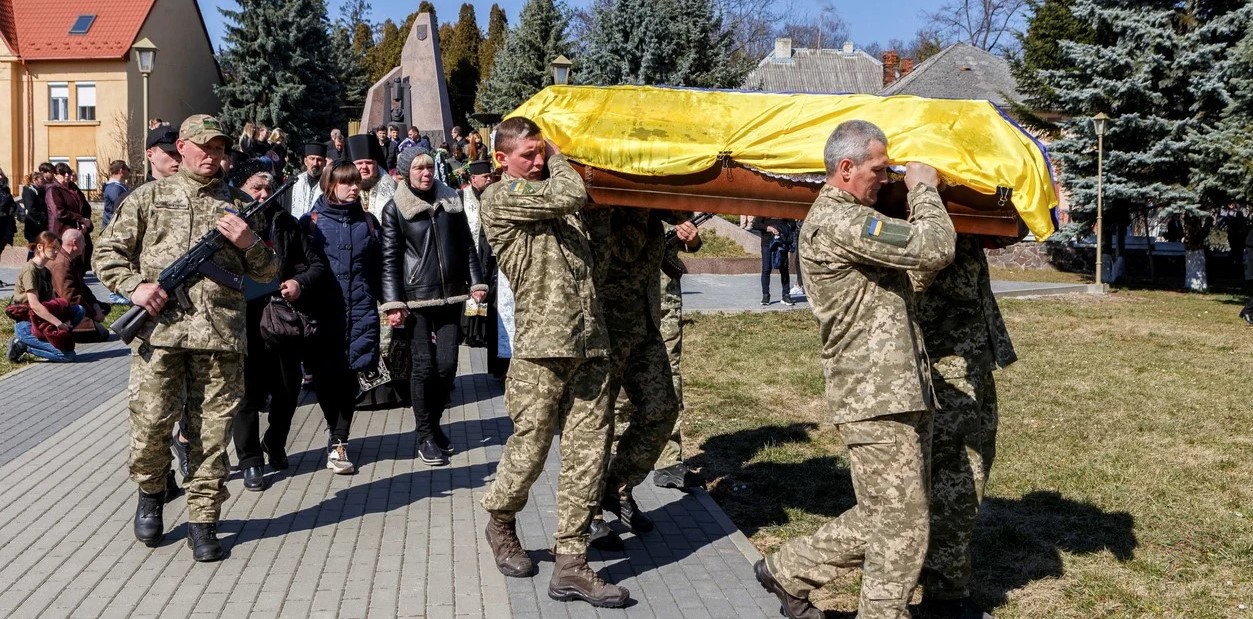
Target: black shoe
(1246,315)
(601,537)
(787,300)
(16,350)
(442,441)
(789,606)
(675,476)
(149,526)
(431,454)
(202,538)
(627,511)
(961,608)
(765,299)
(172,489)
(254,479)
(278,457)
(184,463)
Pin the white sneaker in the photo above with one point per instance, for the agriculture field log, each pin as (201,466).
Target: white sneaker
(337,459)
(797,291)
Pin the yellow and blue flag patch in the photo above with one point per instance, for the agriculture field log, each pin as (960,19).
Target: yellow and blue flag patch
(886,231)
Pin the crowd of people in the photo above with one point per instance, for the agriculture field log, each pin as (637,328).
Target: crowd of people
(375,227)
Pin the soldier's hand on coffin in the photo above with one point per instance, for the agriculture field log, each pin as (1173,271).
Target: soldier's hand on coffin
(916,172)
(236,231)
(550,149)
(150,297)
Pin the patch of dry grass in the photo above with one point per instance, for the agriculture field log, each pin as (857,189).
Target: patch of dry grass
(715,246)
(1040,275)
(1123,484)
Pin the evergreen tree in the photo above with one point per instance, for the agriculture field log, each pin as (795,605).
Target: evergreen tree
(1050,22)
(282,71)
(497,30)
(672,42)
(385,54)
(461,56)
(523,67)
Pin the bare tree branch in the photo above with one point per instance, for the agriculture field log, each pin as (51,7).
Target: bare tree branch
(982,23)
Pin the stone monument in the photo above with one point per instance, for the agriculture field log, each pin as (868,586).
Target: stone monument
(413,94)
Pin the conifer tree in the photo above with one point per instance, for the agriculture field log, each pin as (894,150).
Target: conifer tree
(497,30)
(523,66)
(460,52)
(385,54)
(1050,22)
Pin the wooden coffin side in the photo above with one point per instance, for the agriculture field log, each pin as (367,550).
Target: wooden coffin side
(741,191)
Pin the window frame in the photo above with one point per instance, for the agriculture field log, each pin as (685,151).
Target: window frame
(78,100)
(54,107)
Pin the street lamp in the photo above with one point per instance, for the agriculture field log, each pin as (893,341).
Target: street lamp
(561,70)
(145,57)
(1099,124)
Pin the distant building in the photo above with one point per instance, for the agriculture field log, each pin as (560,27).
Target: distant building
(960,71)
(816,71)
(70,89)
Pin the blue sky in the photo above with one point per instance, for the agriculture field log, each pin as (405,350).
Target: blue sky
(868,21)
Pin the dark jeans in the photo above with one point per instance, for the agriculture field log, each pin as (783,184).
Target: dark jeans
(434,363)
(337,397)
(273,375)
(767,265)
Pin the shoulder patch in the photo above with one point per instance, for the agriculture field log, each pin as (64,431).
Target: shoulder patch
(886,231)
(522,188)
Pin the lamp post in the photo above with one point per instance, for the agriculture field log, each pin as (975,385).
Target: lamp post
(145,57)
(1099,124)
(561,70)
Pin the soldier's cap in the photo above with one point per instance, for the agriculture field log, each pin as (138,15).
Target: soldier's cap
(479,166)
(201,129)
(162,137)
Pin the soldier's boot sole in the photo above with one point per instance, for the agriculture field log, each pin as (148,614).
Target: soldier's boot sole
(567,594)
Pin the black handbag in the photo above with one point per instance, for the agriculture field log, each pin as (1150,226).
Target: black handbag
(283,325)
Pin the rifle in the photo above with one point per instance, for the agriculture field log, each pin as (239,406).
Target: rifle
(190,267)
(671,265)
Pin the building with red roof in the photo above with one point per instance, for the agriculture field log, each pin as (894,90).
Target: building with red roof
(70,86)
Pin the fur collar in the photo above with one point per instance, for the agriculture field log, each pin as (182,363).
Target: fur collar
(410,205)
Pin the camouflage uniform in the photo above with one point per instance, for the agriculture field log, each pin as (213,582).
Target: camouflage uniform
(183,358)
(629,246)
(559,372)
(879,388)
(966,339)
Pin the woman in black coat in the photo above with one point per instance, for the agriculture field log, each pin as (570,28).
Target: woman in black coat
(430,268)
(272,371)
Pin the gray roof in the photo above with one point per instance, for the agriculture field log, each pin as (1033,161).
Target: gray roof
(960,71)
(825,71)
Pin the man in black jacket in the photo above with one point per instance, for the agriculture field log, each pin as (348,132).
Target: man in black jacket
(33,198)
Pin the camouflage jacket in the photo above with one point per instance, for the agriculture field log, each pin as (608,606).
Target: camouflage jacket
(542,247)
(157,223)
(628,244)
(961,322)
(855,262)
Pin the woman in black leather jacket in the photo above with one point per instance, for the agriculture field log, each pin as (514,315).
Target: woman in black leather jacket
(430,267)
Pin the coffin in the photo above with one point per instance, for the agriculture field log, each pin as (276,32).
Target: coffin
(757,153)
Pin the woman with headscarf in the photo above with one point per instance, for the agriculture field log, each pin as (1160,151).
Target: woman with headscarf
(430,268)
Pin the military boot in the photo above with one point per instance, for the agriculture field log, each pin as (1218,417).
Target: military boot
(149,527)
(627,511)
(574,580)
(202,538)
(511,559)
(789,605)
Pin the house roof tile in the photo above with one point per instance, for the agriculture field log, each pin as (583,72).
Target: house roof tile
(45,33)
(960,71)
(818,71)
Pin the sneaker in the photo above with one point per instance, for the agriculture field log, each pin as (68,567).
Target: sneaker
(797,291)
(765,299)
(1246,315)
(337,459)
(16,350)
(442,441)
(431,454)
(787,300)
(118,299)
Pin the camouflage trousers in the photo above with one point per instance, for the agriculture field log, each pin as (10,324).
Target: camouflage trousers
(962,451)
(210,384)
(642,372)
(885,533)
(543,395)
(667,306)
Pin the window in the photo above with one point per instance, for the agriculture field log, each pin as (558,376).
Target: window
(59,101)
(87,174)
(86,101)
(82,24)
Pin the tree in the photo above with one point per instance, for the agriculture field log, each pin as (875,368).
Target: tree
(385,54)
(828,30)
(925,44)
(280,68)
(352,38)
(497,30)
(988,24)
(1049,22)
(672,42)
(523,67)
(461,56)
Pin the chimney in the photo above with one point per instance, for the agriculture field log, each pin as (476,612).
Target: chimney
(783,49)
(890,61)
(907,66)
(848,48)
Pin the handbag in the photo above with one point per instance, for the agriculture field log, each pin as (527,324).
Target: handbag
(282,324)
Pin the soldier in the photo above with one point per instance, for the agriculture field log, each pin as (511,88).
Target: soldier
(559,373)
(966,340)
(878,384)
(192,357)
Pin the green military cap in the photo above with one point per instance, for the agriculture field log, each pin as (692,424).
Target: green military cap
(201,129)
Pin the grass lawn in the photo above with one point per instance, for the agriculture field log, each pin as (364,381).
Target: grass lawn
(1123,483)
(1040,275)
